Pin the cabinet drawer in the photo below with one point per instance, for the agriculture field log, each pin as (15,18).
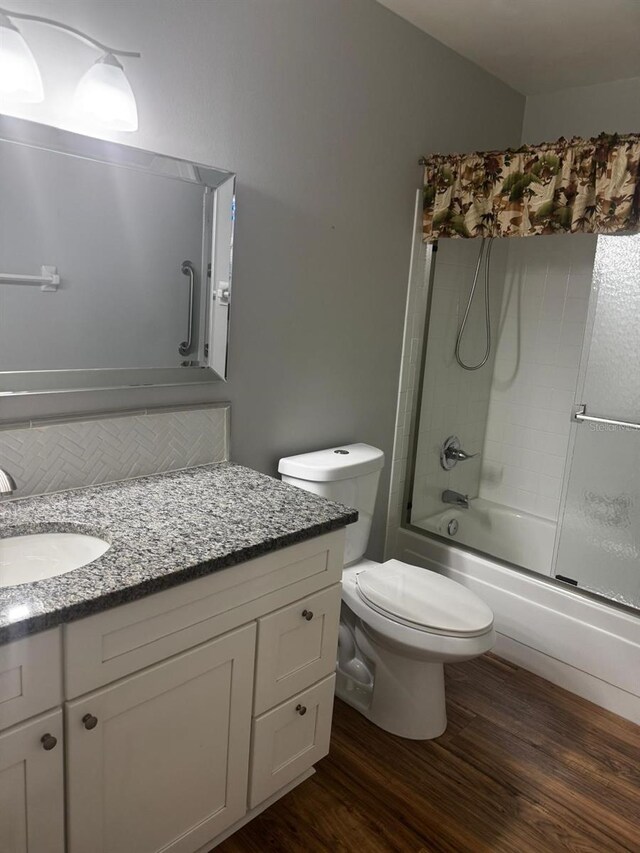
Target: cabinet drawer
(289,739)
(30,677)
(110,645)
(296,647)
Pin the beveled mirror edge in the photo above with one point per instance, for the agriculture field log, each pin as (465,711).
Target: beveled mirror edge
(57,381)
(36,135)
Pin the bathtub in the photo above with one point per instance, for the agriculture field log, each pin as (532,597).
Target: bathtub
(499,531)
(585,645)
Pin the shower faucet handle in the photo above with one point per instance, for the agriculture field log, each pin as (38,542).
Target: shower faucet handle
(459,455)
(451,453)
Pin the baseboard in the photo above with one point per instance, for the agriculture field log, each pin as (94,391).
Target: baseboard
(572,640)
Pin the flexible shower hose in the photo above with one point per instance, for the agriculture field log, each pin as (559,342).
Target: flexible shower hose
(487,313)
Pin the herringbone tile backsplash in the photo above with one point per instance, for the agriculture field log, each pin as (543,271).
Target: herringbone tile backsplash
(51,457)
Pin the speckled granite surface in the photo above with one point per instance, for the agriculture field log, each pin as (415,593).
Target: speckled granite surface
(163,530)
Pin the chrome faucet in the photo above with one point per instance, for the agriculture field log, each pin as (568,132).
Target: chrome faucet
(455,498)
(7,483)
(451,453)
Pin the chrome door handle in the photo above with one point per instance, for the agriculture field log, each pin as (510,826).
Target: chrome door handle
(187,268)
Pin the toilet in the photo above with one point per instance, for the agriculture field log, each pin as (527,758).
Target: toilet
(399,624)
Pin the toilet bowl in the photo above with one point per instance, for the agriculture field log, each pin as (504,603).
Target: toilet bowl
(405,641)
(399,623)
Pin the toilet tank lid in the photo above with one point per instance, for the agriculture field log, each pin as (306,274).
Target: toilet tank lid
(334,463)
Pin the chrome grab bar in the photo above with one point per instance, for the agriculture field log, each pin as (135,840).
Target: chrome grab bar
(48,278)
(580,415)
(188,269)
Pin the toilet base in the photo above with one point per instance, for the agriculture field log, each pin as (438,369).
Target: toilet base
(407,696)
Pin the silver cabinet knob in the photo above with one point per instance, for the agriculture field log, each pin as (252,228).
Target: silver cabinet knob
(308,615)
(48,741)
(89,721)
(301,709)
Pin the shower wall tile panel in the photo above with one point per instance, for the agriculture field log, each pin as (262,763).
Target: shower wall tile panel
(539,344)
(52,457)
(455,401)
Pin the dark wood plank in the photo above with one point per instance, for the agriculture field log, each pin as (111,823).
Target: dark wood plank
(554,721)
(524,767)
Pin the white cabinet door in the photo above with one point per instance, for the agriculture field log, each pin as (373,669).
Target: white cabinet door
(159,760)
(290,739)
(32,787)
(297,646)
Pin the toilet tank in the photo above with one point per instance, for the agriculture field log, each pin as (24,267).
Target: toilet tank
(348,474)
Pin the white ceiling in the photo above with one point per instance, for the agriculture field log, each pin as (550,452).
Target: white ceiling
(536,45)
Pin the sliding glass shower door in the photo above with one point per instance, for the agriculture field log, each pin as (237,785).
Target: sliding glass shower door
(598,542)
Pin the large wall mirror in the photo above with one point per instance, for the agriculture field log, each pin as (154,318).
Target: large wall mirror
(115,264)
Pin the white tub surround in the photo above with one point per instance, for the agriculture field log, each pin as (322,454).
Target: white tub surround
(537,356)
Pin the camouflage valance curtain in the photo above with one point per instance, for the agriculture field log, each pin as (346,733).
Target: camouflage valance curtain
(579,185)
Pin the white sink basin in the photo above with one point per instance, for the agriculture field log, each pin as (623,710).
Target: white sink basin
(37,556)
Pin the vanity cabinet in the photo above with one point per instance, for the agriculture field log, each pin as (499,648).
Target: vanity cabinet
(32,786)
(185,712)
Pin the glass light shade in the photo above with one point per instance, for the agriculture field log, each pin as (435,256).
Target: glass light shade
(20,78)
(104,95)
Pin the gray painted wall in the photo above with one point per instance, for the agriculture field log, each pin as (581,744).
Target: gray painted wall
(583,111)
(322,107)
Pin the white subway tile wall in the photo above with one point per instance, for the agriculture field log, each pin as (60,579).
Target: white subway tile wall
(455,401)
(542,325)
(50,457)
(517,409)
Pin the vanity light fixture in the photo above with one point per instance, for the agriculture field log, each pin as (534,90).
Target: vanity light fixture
(103,95)
(20,78)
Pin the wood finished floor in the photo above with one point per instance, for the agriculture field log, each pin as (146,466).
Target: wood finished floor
(523,766)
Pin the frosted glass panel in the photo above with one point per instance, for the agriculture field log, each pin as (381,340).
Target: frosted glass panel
(599,541)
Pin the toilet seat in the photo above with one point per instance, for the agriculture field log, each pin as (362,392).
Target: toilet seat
(423,600)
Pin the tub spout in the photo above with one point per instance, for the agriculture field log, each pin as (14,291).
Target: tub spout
(455,498)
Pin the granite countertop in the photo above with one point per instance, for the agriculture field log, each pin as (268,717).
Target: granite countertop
(163,530)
